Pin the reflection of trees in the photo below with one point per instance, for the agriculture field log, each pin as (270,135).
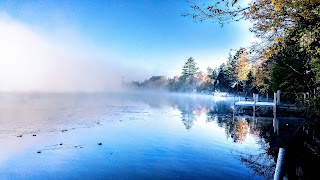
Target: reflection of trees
(190,105)
(188,117)
(187,108)
(191,108)
(261,164)
(265,132)
(240,130)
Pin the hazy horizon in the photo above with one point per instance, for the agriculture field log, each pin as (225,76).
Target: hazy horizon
(74,46)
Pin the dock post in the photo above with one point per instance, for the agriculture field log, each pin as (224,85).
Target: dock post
(254,102)
(278,97)
(275,123)
(278,174)
(234,100)
(274,102)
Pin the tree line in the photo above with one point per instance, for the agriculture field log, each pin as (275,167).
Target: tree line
(287,57)
(288,54)
(237,75)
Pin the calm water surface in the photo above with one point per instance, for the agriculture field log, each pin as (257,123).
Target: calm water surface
(142,136)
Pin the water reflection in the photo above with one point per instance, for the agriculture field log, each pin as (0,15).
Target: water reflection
(240,130)
(270,130)
(187,118)
(284,131)
(263,128)
(52,113)
(238,127)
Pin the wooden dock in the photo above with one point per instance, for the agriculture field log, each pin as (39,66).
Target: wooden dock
(252,103)
(252,117)
(256,104)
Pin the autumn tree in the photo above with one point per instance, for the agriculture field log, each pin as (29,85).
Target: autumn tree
(273,20)
(242,67)
(263,76)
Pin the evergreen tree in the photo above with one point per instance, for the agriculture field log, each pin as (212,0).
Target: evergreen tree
(291,70)
(222,81)
(250,83)
(189,72)
(190,69)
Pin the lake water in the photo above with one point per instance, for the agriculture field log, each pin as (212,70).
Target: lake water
(142,136)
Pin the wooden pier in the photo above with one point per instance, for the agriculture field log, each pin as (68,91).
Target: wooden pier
(256,104)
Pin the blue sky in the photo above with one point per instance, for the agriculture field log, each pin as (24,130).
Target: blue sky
(141,37)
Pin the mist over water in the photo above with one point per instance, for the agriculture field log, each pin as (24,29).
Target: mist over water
(34,61)
(143,134)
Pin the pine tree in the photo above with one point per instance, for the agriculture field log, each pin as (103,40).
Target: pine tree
(189,72)
(189,69)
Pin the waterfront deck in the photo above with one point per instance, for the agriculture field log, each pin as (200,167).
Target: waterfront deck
(252,117)
(253,103)
(256,104)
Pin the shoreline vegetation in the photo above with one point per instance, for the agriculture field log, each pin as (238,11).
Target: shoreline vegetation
(233,78)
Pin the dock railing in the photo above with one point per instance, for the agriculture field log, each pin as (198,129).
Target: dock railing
(259,98)
(255,102)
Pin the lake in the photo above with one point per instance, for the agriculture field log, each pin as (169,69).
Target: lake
(131,135)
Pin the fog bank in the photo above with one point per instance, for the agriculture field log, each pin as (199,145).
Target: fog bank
(33,61)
